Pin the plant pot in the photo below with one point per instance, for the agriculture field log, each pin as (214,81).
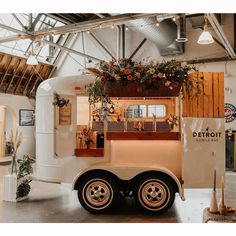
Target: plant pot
(135,89)
(10,189)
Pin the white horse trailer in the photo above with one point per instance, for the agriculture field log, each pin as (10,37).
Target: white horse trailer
(149,165)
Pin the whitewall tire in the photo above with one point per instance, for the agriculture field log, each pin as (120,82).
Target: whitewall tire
(98,193)
(154,193)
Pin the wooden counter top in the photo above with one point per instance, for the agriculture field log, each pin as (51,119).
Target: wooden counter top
(142,135)
(89,152)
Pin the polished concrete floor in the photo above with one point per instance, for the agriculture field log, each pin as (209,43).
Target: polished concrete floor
(54,203)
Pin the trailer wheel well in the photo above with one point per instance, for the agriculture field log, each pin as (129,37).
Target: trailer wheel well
(158,173)
(97,171)
(126,184)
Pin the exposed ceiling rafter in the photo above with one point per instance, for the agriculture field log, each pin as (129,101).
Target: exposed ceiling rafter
(91,24)
(71,50)
(220,33)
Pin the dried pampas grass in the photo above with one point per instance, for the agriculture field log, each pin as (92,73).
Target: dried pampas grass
(15,139)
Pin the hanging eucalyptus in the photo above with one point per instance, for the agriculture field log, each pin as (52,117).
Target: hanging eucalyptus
(60,101)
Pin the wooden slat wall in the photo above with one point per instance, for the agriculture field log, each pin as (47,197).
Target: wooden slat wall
(16,77)
(210,104)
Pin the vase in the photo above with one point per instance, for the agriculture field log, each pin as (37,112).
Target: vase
(87,145)
(10,185)
(174,128)
(137,89)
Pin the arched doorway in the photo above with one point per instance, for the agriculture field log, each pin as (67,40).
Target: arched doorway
(7,123)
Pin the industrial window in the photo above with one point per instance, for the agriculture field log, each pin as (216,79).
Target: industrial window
(145,111)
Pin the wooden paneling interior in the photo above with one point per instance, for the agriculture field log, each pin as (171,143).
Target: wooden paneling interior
(143,135)
(89,152)
(210,103)
(16,77)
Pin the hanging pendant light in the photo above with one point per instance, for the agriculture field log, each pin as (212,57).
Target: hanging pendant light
(205,37)
(32,60)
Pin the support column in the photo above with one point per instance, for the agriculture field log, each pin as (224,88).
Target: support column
(2,130)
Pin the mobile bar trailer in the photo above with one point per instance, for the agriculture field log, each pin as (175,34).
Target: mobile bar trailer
(140,156)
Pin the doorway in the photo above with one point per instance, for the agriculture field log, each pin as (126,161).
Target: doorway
(7,123)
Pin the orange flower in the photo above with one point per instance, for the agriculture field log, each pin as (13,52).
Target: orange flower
(140,68)
(127,71)
(129,77)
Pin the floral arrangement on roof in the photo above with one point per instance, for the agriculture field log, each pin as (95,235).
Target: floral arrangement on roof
(171,74)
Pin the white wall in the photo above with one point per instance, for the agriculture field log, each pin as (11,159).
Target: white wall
(13,104)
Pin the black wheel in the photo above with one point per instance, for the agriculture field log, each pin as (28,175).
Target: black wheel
(98,193)
(154,193)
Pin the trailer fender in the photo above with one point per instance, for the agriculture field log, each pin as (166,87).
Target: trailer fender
(128,173)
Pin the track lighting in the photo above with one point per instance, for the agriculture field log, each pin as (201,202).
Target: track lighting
(112,26)
(100,26)
(205,37)
(126,28)
(88,32)
(174,18)
(157,24)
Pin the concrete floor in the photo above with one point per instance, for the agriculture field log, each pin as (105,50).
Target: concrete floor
(54,203)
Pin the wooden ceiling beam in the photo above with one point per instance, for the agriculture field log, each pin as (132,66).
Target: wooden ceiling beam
(21,79)
(36,80)
(28,81)
(7,68)
(14,74)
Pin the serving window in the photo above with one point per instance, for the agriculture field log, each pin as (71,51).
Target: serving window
(146,111)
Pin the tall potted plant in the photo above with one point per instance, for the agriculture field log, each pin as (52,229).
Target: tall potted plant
(16,184)
(10,180)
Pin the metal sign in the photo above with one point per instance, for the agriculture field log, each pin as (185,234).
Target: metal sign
(230,112)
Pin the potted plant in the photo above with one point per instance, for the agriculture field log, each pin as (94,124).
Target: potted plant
(16,183)
(87,137)
(10,180)
(172,120)
(25,169)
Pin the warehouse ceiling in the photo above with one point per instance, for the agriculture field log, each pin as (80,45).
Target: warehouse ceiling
(49,37)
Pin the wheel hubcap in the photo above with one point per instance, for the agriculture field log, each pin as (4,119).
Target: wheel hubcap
(153,194)
(98,193)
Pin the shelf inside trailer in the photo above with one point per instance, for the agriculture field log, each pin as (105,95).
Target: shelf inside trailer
(142,135)
(89,152)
